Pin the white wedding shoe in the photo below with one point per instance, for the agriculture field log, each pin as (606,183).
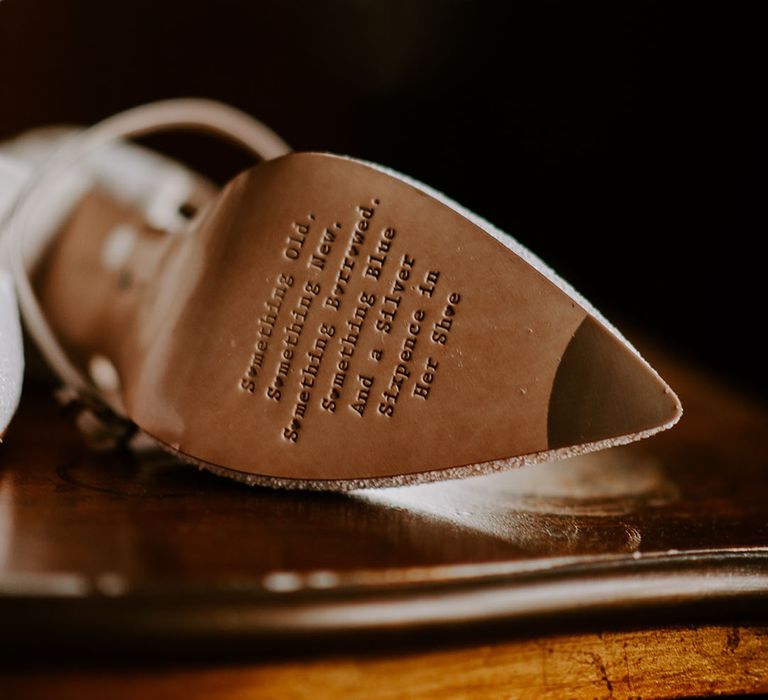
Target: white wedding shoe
(11,351)
(320,322)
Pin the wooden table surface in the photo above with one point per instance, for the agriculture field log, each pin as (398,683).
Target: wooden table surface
(636,572)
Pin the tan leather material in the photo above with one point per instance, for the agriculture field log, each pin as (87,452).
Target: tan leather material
(601,391)
(329,321)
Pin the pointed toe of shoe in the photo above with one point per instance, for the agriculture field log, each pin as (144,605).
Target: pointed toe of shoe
(603,391)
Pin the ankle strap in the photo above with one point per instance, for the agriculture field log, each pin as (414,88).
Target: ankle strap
(184,114)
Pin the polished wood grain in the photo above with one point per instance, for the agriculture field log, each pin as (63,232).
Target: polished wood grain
(677,662)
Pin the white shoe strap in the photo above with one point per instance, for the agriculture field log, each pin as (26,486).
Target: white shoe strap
(36,202)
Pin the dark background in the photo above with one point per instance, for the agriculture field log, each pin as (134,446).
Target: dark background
(624,143)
